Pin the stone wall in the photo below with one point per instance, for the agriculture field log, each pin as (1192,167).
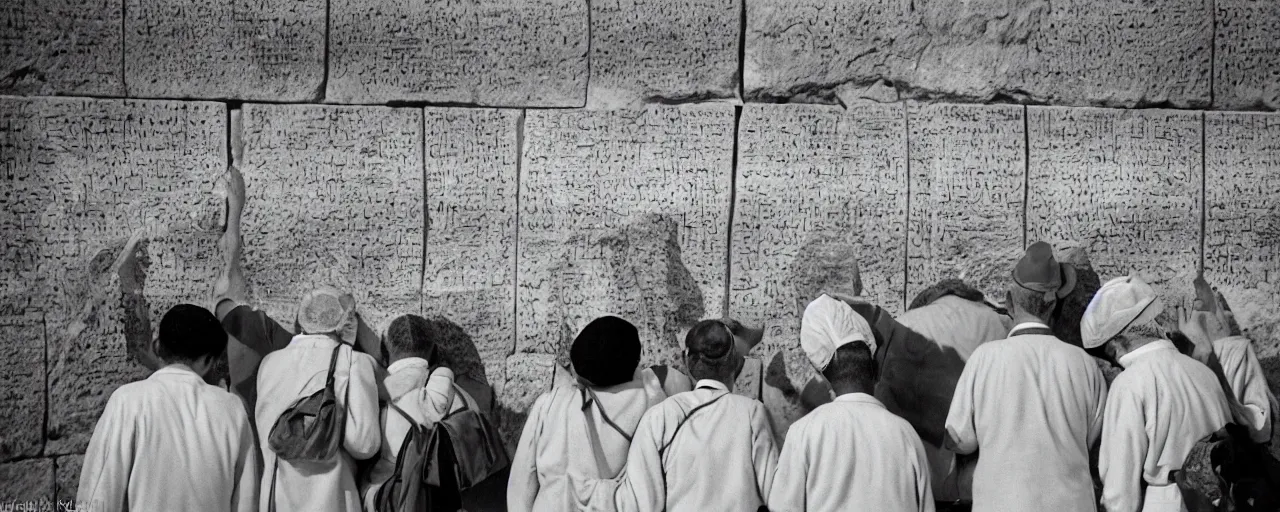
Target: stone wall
(521,166)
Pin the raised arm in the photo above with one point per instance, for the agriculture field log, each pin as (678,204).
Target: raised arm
(962,431)
(363,435)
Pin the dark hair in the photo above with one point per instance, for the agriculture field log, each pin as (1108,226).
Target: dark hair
(711,353)
(606,352)
(188,333)
(1031,301)
(852,363)
(411,336)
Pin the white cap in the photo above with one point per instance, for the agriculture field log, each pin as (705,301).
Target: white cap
(829,324)
(1122,302)
(324,310)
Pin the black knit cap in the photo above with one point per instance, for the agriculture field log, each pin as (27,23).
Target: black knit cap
(188,332)
(606,352)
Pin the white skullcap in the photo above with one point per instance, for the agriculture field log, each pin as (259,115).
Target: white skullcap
(829,324)
(324,310)
(1122,302)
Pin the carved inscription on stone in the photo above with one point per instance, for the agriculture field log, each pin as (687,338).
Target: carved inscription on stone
(67,475)
(530,53)
(821,207)
(968,165)
(526,377)
(82,178)
(623,213)
(1242,223)
(26,481)
(471,164)
(334,196)
(1124,184)
(54,47)
(22,392)
(1246,55)
(250,50)
(644,50)
(1074,52)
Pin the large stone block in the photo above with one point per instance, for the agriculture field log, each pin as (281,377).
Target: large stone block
(1125,184)
(67,476)
(27,483)
(1246,56)
(1242,223)
(57,47)
(472,157)
(525,378)
(623,213)
(250,50)
(84,179)
(334,196)
(660,50)
(526,53)
(1074,52)
(968,174)
(821,205)
(22,389)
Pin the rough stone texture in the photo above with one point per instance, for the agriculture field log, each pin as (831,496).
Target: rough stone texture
(27,482)
(530,53)
(82,178)
(525,377)
(1125,184)
(471,166)
(248,50)
(67,476)
(1246,70)
(1242,224)
(334,195)
(1073,52)
(22,386)
(624,213)
(53,47)
(660,50)
(968,165)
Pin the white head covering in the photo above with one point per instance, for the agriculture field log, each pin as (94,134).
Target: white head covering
(324,310)
(829,324)
(1122,302)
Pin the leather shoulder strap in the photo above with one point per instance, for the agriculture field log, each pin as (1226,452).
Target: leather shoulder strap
(589,397)
(333,365)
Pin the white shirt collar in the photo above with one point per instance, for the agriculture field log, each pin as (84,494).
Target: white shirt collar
(178,369)
(408,362)
(1127,360)
(1027,325)
(313,340)
(712,384)
(861,398)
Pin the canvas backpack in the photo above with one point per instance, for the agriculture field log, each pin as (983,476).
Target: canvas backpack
(423,480)
(475,445)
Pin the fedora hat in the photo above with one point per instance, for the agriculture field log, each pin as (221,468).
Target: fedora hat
(1039,271)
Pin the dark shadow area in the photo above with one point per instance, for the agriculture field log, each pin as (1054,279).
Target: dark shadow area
(457,349)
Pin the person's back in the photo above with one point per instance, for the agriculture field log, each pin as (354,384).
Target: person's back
(172,442)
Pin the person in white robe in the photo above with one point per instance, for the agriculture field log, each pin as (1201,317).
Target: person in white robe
(851,453)
(327,319)
(705,449)
(1158,407)
(585,428)
(173,442)
(1031,405)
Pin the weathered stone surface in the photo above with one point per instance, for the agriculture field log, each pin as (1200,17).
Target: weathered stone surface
(1074,52)
(623,213)
(820,206)
(471,164)
(1242,223)
(56,47)
(22,389)
(84,178)
(968,165)
(1125,184)
(1246,59)
(659,50)
(529,53)
(525,378)
(249,50)
(334,195)
(67,476)
(27,483)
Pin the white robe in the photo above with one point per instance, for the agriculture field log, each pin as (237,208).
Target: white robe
(851,454)
(170,442)
(1031,406)
(295,372)
(559,437)
(1248,384)
(1158,407)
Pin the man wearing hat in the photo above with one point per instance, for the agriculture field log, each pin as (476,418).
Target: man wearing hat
(1030,405)
(852,453)
(327,320)
(1158,407)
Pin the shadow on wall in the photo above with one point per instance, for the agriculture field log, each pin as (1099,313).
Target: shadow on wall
(457,349)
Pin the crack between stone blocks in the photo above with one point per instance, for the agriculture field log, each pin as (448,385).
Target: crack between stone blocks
(515,270)
(906,240)
(586,91)
(322,90)
(124,30)
(44,329)
(1026,171)
(1213,62)
(742,53)
(733,200)
(1204,197)
(426,210)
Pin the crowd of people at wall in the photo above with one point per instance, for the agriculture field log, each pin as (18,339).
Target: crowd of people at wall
(335,418)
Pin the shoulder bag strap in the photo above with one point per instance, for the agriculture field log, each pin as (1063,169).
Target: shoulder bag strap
(663,450)
(333,365)
(591,398)
(274,471)
(403,414)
